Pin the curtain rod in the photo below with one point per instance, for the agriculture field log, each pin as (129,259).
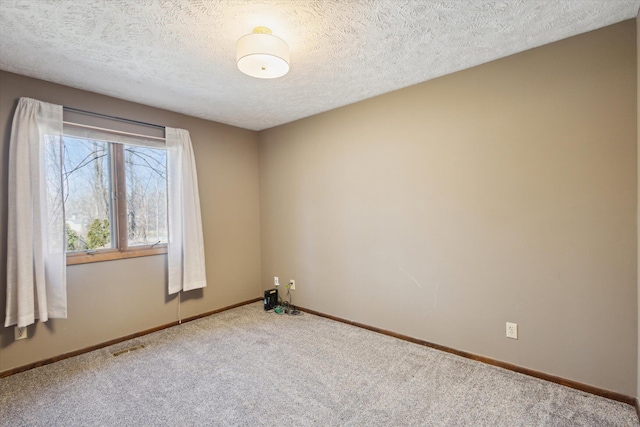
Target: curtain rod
(91,113)
(114,131)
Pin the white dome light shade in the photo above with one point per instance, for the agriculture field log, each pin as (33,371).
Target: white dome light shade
(262,54)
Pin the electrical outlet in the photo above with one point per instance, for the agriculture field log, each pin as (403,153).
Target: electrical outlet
(292,285)
(512,330)
(20,333)
(276,281)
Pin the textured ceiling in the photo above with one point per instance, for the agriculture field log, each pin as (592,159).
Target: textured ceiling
(180,54)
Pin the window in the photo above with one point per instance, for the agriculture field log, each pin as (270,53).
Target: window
(88,193)
(40,180)
(115,196)
(146,189)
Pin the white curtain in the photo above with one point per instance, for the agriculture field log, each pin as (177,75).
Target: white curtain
(186,244)
(36,252)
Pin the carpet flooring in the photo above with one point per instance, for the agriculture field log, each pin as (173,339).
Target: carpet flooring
(245,367)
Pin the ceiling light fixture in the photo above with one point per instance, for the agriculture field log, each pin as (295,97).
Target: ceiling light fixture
(262,55)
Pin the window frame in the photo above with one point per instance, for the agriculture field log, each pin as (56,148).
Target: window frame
(119,213)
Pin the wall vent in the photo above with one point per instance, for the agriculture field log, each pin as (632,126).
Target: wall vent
(128,350)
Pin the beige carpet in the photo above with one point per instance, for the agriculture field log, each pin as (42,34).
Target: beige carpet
(245,367)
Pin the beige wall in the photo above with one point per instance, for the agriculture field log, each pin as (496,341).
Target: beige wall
(638,209)
(506,192)
(112,299)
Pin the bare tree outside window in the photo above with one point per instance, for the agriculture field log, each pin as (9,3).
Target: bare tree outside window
(90,183)
(146,182)
(87,194)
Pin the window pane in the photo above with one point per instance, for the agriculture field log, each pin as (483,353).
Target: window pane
(146,182)
(87,192)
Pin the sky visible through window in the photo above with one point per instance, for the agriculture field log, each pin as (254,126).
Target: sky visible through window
(89,188)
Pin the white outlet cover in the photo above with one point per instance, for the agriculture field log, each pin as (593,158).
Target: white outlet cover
(276,281)
(292,285)
(512,330)
(20,333)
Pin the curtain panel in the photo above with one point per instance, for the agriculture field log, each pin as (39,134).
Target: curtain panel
(36,247)
(185,258)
